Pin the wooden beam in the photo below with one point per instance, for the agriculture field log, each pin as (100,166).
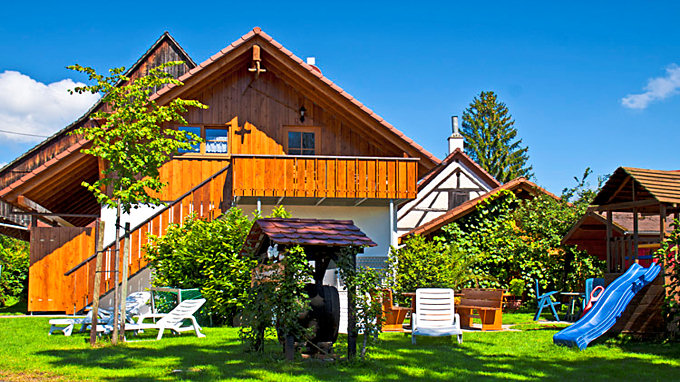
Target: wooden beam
(623,184)
(627,205)
(43,212)
(609,244)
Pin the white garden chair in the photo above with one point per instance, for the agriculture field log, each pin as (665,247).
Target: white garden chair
(136,304)
(435,315)
(175,319)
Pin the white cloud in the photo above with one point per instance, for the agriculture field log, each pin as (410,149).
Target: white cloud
(31,107)
(657,89)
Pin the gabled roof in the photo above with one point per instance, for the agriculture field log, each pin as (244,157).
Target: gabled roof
(165,36)
(459,156)
(522,187)
(309,72)
(593,225)
(290,231)
(661,186)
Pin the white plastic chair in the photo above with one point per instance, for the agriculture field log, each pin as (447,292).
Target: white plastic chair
(175,319)
(435,315)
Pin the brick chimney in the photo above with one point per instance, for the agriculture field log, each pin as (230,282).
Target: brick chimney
(456,140)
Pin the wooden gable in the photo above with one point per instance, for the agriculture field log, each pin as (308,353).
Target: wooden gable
(271,102)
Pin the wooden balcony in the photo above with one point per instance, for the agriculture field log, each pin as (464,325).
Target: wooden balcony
(286,176)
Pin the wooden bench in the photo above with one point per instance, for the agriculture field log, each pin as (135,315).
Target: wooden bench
(393,315)
(487,303)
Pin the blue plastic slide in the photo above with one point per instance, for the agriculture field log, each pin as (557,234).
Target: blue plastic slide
(608,308)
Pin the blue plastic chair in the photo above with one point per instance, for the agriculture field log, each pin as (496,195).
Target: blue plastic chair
(545,300)
(591,284)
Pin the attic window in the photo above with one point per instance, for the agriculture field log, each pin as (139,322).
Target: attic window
(302,141)
(456,198)
(215,141)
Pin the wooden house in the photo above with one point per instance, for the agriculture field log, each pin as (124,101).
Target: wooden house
(456,180)
(277,132)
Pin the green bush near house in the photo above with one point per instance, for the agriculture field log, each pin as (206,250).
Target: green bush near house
(505,239)
(422,263)
(14,261)
(205,255)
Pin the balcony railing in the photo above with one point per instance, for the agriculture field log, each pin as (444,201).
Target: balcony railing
(324,176)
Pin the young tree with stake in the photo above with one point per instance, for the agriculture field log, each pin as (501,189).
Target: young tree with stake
(133,137)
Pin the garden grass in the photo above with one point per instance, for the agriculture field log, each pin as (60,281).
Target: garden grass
(28,353)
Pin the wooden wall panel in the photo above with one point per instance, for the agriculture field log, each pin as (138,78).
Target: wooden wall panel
(266,106)
(184,174)
(55,250)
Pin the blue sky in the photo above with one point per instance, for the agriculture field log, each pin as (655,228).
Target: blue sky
(589,84)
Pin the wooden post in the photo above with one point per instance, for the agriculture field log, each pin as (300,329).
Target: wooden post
(610,265)
(662,222)
(99,234)
(123,288)
(636,237)
(289,347)
(351,315)
(116,267)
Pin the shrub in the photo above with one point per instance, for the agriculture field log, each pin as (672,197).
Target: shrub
(14,260)
(521,239)
(422,263)
(205,255)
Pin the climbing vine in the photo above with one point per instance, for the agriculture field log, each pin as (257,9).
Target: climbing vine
(668,256)
(367,283)
(276,296)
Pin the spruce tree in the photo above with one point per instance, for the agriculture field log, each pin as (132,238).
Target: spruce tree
(491,139)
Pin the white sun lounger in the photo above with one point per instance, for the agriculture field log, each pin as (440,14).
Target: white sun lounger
(174,320)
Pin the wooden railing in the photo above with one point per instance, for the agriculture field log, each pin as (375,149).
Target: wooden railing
(324,176)
(623,253)
(206,200)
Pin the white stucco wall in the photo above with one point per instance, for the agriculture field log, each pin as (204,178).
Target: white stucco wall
(136,216)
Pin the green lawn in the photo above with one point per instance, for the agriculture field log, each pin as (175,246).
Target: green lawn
(26,352)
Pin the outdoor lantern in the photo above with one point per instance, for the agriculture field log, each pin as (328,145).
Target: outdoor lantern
(302,113)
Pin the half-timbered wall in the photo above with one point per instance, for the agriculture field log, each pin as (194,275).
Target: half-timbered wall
(452,187)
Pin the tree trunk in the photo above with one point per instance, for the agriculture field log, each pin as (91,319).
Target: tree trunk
(97,281)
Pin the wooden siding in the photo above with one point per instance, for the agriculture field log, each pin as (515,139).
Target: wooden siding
(53,252)
(643,315)
(331,177)
(207,200)
(184,174)
(265,108)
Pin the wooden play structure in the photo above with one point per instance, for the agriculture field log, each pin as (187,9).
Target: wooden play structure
(653,194)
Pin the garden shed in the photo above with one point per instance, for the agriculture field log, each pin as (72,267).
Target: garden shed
(322,241)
